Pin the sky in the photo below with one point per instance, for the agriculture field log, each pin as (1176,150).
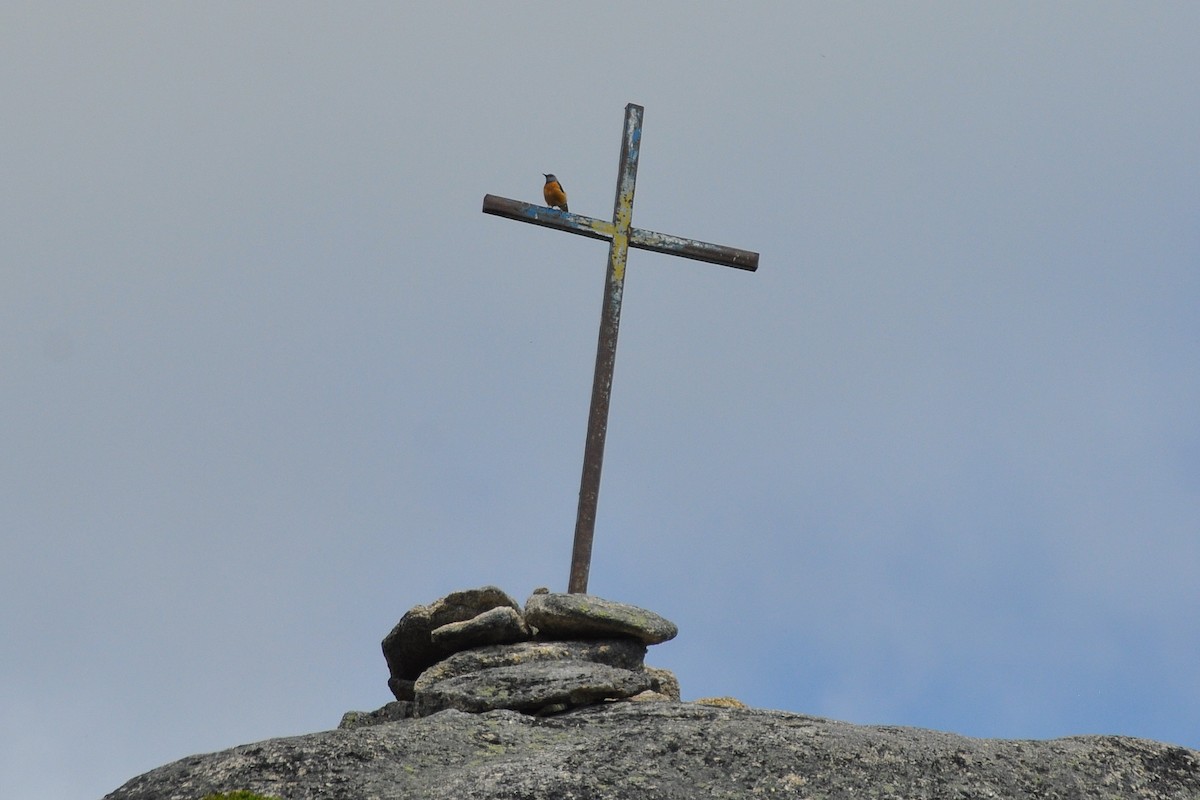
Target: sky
(271,378)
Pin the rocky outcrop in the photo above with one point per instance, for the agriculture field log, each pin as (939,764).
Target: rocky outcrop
(496,702)
(477,651)
(671,751)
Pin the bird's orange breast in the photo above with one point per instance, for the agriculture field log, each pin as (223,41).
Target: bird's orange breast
(554,194)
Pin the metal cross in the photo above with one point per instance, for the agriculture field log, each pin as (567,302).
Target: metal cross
(621,236)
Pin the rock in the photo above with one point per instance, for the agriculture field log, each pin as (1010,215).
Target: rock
(390,713)
(672,751)
(401,689)
(622,653)
(720,702)
(409,647)
(463,605)
(664,682)
(500,625)
(521,676)
(582,616)
(540,687)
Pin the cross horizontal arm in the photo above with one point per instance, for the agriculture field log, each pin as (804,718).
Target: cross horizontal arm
(691,248)
(603,229)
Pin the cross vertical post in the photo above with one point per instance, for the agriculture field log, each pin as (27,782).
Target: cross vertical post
(606,352)
(622,236)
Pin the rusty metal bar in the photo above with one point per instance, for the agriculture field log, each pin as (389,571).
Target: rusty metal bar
(690,248)
(606,352)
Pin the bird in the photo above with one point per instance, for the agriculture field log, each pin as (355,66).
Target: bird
(553,191)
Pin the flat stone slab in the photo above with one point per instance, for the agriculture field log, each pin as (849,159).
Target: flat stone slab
(500,625)
(543,685)
(584,616)
(622,653)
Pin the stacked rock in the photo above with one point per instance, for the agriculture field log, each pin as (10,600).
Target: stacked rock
(477,650)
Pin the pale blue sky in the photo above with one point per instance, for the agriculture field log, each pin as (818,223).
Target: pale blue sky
(271,378)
